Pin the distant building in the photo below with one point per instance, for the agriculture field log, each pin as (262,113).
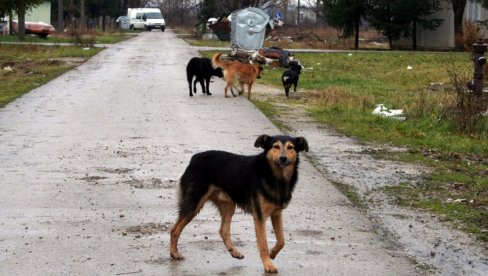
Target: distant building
(40,13)
(444,36)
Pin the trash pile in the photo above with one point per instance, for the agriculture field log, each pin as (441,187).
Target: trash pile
(382,110)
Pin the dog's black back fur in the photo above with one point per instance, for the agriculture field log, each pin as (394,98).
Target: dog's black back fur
(201,68)
(291,76)
(243,178)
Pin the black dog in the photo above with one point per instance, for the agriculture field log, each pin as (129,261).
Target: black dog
(261,185)
(290,77)
(201,68)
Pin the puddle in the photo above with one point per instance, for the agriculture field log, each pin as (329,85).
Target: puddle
(147,228)
(154,183)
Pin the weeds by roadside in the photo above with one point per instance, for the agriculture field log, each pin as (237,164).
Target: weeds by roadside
(25,67)
(340,90)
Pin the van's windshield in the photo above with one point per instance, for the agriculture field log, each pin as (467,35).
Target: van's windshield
(153,15)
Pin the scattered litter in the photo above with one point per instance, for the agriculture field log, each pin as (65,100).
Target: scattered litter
(382,110)
(459,200)
(436,86)
(409,67)
(8,68)
(350,54)
(86,49)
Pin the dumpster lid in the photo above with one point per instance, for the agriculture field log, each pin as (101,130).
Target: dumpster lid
(248,27)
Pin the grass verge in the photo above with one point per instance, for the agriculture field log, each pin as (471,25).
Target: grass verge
(342,89)
(25,67)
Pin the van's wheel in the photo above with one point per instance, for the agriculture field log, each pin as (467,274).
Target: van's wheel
(131,27)
(162,29)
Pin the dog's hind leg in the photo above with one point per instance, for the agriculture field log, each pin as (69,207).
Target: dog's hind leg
(227,209)
(190,84)
(277,221)
(207,82)
(176,230)
(188,211)
(195,85)
(241,87)
(249,86)
(287,89)
(202,84)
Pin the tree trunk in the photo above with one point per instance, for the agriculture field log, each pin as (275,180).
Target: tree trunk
(10,25)
(60,16)
(82,16)
(414,34)
(298,13)
(458,7)
(357,23)
(21,25)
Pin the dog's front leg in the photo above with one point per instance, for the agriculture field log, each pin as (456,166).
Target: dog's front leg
(260,225)
(249,86)
(277,221)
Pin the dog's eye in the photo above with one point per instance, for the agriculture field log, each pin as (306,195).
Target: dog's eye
(276,146)
(290,147)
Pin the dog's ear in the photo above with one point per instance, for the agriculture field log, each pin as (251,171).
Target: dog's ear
(261,141)
(301,144)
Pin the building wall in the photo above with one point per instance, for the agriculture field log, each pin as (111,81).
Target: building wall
(475,12)
(440,38)
(41,12)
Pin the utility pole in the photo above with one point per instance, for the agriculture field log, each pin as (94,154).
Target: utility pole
(82,16)
(298,13)
(60,16)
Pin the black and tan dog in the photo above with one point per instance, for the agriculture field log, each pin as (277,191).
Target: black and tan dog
(201,68)
(261,185)
(236,70)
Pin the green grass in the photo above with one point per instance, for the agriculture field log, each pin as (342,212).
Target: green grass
(101,38)
(341,90)
(32,66)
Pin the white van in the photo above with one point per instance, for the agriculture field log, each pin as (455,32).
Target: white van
(146,19)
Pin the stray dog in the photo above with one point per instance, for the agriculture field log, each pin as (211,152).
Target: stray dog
(201,68)
(261,185)
(290,77)
(244,73)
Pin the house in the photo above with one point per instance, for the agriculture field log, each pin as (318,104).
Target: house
(444,37)
(40,13)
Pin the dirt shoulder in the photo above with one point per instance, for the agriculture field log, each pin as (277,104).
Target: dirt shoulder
(350,165)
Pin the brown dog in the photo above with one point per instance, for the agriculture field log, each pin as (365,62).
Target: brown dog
(262,185)
(244,73)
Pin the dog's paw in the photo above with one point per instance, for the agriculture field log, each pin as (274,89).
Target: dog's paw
(270,268)
(208,93)
(236,254)
(176,256)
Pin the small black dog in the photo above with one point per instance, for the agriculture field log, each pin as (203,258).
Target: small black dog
(201,68)
(290,77)
(261,185)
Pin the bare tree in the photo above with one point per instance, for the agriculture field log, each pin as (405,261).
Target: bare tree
(60,15)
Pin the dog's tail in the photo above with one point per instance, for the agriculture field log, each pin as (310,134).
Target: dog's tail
(217,62)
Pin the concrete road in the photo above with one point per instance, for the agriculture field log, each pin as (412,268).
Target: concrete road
(89,165)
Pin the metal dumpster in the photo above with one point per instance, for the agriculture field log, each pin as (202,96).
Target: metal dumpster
(248,27)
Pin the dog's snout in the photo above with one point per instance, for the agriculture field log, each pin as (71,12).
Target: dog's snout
(283,159)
